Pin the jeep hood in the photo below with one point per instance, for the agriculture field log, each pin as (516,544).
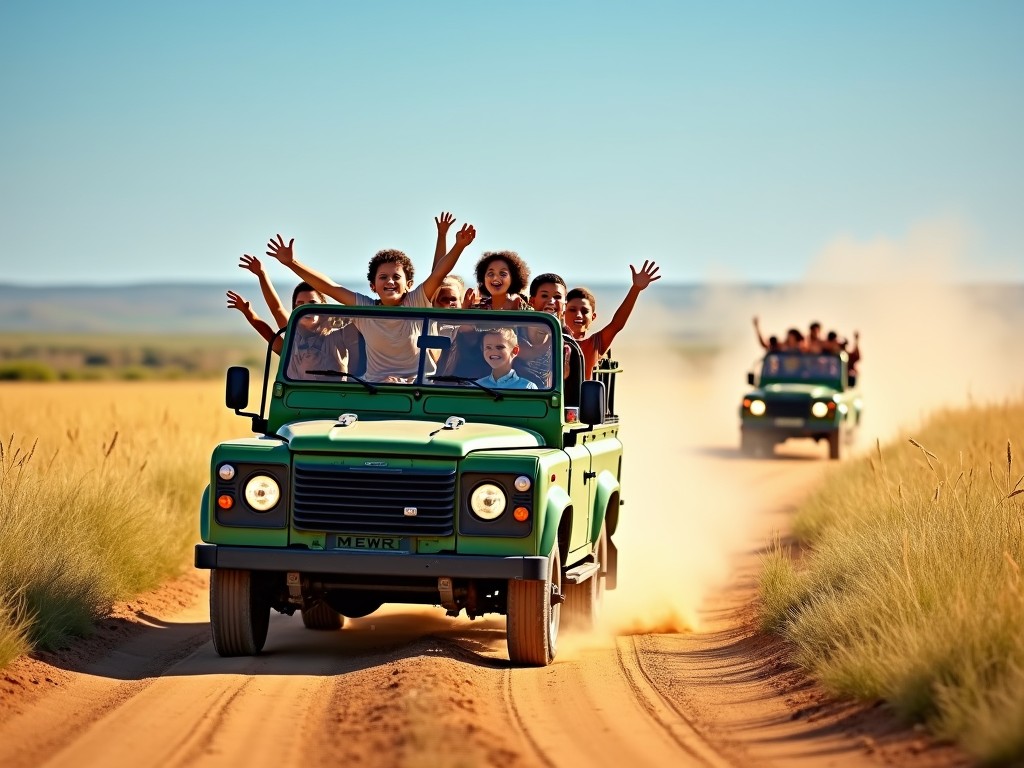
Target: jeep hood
(403,437)
(814,391)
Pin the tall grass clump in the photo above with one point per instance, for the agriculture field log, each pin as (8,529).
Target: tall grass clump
(910,589)
(99,493)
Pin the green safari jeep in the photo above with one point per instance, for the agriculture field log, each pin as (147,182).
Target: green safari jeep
(799,395)
(423,480)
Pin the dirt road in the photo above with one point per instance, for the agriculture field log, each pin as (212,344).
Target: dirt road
(675,678)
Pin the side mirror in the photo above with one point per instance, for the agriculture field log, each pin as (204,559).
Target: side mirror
(851,380)
(236,395)
(592,402)
(750,378)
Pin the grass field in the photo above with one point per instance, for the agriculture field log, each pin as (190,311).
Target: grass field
(909,588)
(75,357)
(100,485)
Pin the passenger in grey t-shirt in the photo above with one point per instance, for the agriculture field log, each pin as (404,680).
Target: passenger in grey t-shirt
(391,351)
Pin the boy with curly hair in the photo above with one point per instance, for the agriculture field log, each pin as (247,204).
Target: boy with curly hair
(581,312)
(391,351)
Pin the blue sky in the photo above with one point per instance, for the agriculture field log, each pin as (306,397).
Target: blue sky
(735,141)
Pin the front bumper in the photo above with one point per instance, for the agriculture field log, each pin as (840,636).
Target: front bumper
(782,431)
(210,556)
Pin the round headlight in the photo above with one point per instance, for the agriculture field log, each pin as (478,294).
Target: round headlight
(262,493)
(226,472)
(819,410)
(487,501)
(757,408)
(523,483)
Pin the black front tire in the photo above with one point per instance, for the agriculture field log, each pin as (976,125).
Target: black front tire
(239,612)
(534,617)
(834,445)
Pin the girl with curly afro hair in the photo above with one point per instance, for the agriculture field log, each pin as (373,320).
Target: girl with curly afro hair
(501,277)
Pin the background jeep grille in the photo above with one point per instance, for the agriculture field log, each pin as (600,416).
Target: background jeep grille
(358,500)
(791,408)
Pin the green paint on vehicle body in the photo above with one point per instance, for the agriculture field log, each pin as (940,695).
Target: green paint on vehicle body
(374,470)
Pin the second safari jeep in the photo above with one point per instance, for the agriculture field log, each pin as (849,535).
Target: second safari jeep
(799,395)
(431,487)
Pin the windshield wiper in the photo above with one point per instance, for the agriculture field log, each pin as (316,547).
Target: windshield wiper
(342,375)
(466,380)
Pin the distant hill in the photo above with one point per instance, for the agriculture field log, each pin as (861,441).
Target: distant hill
(184,308)
(199,308)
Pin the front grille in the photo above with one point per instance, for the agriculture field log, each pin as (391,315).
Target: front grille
(791,408)
(357,500)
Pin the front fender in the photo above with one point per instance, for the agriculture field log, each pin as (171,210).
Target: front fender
(204,515)
(557,502)
(606,502)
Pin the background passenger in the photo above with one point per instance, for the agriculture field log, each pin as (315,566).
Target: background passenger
(814,343)
(794,341)
(581,312)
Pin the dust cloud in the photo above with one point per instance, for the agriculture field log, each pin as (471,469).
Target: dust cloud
(927,341)
(683,509)
(930,339)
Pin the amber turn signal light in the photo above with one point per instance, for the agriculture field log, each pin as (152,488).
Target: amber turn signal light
(225,502)
(521,514)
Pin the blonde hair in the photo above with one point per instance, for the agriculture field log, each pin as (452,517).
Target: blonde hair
(507,334)
(455,282)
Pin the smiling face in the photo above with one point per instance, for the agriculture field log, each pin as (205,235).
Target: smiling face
(307,297)
(498,277)
(579,314)
(448,296)
(550,297)
(390,283)
(499,352)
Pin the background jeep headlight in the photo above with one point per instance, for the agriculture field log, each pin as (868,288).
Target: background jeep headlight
(757,408)
(487,501)
(262,493)
(819,410)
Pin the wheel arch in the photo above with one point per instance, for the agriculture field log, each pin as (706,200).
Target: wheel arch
(606,505)
(558,512)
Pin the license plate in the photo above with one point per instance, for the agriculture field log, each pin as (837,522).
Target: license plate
(374,543)
(784,422)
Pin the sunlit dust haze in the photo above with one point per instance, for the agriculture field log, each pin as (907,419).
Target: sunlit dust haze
(683,515)
(928,341)
(929,338)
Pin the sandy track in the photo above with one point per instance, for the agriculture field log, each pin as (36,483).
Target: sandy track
(404,686)
(409,686)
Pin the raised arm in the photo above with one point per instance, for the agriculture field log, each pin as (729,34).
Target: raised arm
(760,336)
(286,255)
(447,262)
(444,223)
(648,274)
(236,301)
(277,310)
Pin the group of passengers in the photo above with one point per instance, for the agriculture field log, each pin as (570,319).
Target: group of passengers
(811,344)
(386,349)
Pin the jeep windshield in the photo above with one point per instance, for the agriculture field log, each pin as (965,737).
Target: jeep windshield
(479,350)
(798,368)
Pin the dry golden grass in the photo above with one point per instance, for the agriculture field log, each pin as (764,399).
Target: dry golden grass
(100,485)
(911,590)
